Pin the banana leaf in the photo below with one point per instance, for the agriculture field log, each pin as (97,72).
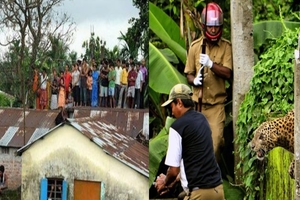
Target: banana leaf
(166,75)
(169,55)
(270,30)
(167,30)
(156,103)
(157,149)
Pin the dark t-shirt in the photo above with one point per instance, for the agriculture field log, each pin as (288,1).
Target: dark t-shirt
(104,81)
(201,167)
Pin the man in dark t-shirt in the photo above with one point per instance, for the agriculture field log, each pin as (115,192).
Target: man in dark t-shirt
(104,84)
(190,150)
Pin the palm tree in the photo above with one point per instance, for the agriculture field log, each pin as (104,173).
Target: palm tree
(114,54)
(130,46)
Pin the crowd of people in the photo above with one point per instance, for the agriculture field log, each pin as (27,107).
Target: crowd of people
(119,84)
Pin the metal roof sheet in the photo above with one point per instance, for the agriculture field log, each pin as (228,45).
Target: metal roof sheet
(37,122)
(12,125)
(115,142)
(113,130)
(130,121)
(112,140)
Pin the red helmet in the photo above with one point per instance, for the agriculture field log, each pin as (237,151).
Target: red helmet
(214,18)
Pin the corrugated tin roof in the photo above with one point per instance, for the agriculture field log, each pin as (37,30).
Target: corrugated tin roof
(131,121)
(112,140)
(113,130)
(12,125)
(38,122)
(115,142)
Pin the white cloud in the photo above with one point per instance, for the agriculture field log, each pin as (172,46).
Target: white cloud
(107,17)
(106,30)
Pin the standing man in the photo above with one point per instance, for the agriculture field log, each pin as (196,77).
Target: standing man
(217,66)
(75,85)
(190,150)
(138,87)
(44,95)
(118,70)
(124,83)
(3,179)
(112,85)
(83,77)
(104,84)
(132,75)
(144,71)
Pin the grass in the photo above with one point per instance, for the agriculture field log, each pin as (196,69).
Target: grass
(11,195)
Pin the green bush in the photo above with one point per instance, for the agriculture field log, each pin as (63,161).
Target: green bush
(271,94)
(4,101)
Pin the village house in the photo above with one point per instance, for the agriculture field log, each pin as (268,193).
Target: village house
(129,123)
(12,137)
(85,155)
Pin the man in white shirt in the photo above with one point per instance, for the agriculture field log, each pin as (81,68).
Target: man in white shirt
(43,87)
(118,69)
(138,87)
(75,84)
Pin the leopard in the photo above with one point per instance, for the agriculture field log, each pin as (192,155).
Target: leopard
(278,132)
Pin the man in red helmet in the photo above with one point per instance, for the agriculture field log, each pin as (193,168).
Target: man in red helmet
(217,65)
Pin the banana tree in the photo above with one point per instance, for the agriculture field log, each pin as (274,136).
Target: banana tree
(161,65)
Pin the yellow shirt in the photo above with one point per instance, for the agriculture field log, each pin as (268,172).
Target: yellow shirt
(124,76)
(214,91)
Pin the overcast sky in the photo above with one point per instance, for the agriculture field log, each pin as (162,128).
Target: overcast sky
(107,17)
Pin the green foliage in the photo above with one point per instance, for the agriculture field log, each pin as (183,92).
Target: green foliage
(265,30)
(166,75)
(167,30)
(4,101)
(142,25)
(232,192)
(161,60)
(271,93)
(94,48)
(271,9)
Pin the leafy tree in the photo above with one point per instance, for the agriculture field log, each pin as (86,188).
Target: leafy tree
(94,48)
(272,9)
(31,23)
(73,56)
(114,54)
(5,101)
(141,25)
(57,54)
(130,44)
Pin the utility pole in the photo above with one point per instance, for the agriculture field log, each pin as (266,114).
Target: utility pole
(297,121)
(92,42)
(243,60)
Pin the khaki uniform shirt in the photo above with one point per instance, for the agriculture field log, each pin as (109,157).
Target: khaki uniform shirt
(214,91)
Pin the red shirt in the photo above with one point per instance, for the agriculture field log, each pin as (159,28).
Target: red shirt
(67,79)
(132,77)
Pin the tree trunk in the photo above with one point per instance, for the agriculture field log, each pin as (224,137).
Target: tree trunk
(278,182)
(243,59)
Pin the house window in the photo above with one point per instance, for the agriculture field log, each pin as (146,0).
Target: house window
(53,189)
(5,150)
